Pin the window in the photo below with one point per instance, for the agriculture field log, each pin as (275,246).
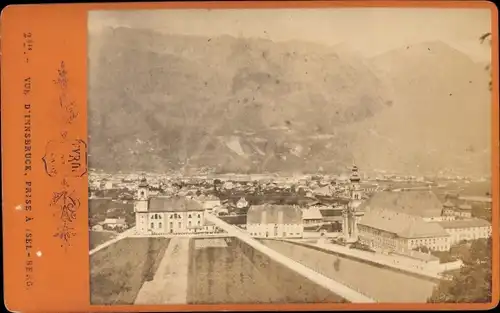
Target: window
(171,225)
(152,225)
(179,224)
(189,215)
(198,222)
(159,225)
(142,193)
(198,215)
(189,223)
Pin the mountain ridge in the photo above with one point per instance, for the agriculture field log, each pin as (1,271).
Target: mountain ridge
(269,95)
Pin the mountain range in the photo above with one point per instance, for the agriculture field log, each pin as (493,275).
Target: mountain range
(162,102)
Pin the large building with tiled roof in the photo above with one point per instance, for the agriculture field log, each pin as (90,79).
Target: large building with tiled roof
(168,215)
(421,203)
(452,211)
(390,230)
(275,221)
(311,215)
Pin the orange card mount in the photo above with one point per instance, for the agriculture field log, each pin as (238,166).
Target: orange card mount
(199,156)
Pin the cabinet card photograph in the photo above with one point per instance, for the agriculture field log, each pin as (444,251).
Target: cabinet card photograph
(334,155)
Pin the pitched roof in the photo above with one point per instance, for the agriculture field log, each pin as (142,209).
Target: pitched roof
(476,198)
(414,202)
(312,213)
(468,223)
(465,206)
(448,204)
(173,204)
(402,224)
(291,214)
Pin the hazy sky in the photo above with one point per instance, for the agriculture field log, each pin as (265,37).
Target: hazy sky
(368,30)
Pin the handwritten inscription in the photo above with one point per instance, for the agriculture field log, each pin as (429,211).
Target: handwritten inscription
(27,45)
(67,205)
(69,109)
(66,158)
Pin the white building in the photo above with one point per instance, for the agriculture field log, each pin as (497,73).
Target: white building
(464,211)
(393,231)
(466,229)
(97,227)
(275,221)
(108,185)
(115,223)
(168,215)
(452,212)
(228,185)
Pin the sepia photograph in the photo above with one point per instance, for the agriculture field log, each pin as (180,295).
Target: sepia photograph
(245,156)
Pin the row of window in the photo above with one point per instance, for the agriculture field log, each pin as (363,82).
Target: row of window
(427,240)
(275,234)
(205,230)
(440,248)
(274,225)
(172,216)
(389,244)
(474,229)
(474,236)
(160,225)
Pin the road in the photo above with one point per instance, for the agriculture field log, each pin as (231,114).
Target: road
(170,282)
(345,292)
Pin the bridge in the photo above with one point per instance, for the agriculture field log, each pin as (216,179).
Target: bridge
(337,288)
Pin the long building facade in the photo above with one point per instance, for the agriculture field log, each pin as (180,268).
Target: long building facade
(391,231)
(407,220)
(168,215)
(275,221)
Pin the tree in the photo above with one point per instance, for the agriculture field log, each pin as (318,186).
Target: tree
(486,37)
(472,284)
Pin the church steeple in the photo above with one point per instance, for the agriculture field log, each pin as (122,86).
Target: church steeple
(350,213)
(354,178)
(143,189)
(355,188)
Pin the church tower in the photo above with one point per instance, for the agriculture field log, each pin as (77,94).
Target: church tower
(350,213)
(355,188)
(141,206)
